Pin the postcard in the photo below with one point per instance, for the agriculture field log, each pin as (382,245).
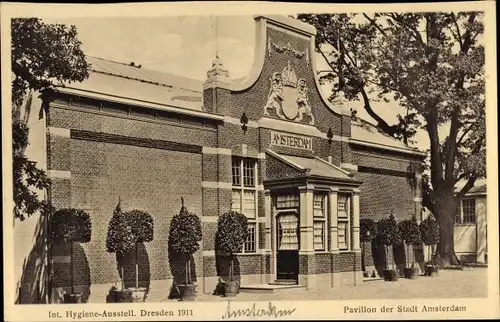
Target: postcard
(249,160)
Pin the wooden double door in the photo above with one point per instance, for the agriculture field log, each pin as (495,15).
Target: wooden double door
(288,244)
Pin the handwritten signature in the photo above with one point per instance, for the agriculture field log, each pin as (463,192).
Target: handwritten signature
(271,311)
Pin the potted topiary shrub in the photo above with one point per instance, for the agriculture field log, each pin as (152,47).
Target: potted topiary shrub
(69,226)
(184,238)
(410,235)
(388,235)
(368,231)
(125,231)
(232,232)
(429,230)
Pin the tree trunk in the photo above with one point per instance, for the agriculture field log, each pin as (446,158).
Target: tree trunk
(136,269)
(446,246)
(71,269)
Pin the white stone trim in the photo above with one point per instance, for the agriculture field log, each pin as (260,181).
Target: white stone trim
(236,121)
(212,253)
(333,166)
(216,185)
(210,150)
(290,127)
(209,219)
(141,103)
(289,23)
(417,199)
(350,166)
(59,174)
(225,185)
(59,131)
(261,155)
(388,148)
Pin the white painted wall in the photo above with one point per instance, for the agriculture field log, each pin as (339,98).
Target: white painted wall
(28,244)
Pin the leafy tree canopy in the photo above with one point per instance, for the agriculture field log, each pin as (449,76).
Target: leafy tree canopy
(43,55)
(432,66)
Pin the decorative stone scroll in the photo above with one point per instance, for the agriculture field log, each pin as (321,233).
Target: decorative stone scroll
(288,98)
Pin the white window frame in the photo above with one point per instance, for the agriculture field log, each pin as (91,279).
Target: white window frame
(346,220)
(241,188)
(462,212)
(320,219)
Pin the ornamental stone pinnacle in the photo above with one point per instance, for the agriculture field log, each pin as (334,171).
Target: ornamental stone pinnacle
(218,71)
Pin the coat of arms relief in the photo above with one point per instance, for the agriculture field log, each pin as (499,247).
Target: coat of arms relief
(288,97)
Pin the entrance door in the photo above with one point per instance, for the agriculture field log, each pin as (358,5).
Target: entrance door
(287,263)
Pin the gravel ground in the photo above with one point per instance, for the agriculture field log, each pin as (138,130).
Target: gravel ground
(470,283)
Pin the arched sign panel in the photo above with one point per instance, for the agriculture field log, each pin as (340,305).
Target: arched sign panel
(287,225)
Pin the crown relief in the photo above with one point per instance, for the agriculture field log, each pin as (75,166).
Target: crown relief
(288,97)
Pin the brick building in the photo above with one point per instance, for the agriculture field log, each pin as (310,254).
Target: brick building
(271,146)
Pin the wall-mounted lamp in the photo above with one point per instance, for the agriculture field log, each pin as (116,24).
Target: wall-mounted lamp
(329,135)
(244,122)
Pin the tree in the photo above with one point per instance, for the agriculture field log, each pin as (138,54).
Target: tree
(43,56)
(431,65)
(185,236)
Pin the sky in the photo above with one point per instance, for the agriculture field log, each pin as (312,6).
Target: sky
(186,46)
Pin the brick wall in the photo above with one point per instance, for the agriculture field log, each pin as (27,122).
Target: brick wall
(388,183)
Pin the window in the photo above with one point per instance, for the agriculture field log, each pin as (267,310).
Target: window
(319,209)
(244,197)
(288,201)
(469,211)
(458,215)
(343,221)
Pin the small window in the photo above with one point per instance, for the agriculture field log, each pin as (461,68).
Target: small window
(319,205)
(469,211)
(288,201)
(319,235)
(343,210)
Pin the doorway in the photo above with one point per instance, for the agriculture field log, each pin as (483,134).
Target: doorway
(287,242)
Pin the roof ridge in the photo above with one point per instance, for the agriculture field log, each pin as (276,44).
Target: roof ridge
(382,132)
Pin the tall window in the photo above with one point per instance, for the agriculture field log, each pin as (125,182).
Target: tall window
(319,225)
(343,221)
(244,197)
(469,211)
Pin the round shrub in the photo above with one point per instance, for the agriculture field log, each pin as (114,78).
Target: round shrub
(233,231)
(70,225)
(429,229)
(185,232)
(388,232)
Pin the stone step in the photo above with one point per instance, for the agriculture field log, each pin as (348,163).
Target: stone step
(269,288)
(284,282)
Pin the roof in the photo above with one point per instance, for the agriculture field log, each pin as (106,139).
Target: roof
(476,190)
(364,131)
(125,81)
(115,80)
(313,166)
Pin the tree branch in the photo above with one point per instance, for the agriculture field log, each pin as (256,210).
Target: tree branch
(373,22)
(459,36)
(470,183)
